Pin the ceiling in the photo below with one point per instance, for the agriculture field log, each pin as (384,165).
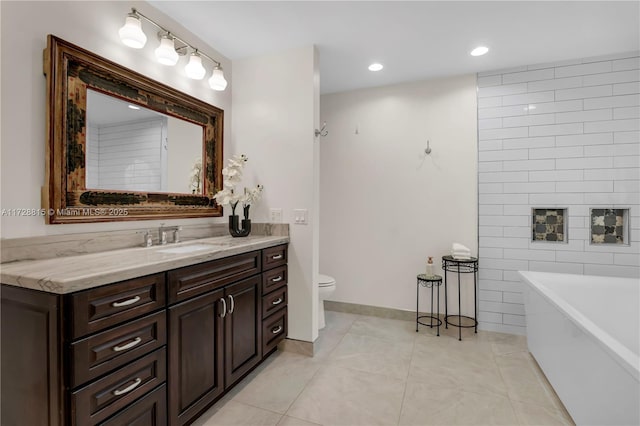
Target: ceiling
(414,40)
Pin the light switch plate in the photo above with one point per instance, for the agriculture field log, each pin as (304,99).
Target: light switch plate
(300,216)
(276,215)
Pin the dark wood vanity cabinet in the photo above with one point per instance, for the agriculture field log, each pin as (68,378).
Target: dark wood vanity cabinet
(214,340)
(196,355)
(274,297)
(81,358)
(153,350)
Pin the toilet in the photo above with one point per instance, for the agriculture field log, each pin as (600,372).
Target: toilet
(326,287)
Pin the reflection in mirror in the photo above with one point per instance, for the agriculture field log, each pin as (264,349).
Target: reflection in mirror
(132,148)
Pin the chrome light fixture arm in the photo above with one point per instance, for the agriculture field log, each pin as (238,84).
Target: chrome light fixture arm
(163,31)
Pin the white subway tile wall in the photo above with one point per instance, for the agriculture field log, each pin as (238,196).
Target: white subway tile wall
(129,154)
(554,135)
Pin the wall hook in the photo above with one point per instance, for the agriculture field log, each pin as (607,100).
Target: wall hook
(428,148)
(322,132)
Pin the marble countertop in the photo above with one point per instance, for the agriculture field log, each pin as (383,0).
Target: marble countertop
(63,275)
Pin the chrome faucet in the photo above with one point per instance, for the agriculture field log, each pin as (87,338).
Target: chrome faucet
(148,239)
(162,233)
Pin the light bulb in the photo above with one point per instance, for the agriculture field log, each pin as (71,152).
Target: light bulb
(217,80)
(131,33)
(375,67)
(166,53)
(479,51)
(194,68)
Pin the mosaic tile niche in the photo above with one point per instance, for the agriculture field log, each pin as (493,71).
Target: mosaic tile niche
(609,226)
(549,225)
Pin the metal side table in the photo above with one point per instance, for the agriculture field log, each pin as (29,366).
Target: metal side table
(461,266)
(428,282)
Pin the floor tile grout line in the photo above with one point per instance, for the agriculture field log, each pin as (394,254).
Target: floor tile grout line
(286,413)
(554,406)
(254,406)
(516,413)
(322,363)
(406,381)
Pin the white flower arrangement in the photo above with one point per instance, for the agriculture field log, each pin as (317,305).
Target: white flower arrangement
(232,175)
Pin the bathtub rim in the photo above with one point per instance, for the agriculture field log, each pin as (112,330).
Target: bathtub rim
(624,356)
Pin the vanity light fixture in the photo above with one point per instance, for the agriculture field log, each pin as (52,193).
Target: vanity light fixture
(167,53)
(375,67)
(479,51)
(194,68)
(131,32)
(217,80)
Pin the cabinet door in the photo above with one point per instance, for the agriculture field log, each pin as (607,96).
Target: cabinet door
(31,372)
(196,368)
(243,333)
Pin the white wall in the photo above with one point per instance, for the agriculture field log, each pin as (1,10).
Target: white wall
(93,26)
(560,135)
(384,206)
(275,105)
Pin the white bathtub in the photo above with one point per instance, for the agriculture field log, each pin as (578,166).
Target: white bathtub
(584,332)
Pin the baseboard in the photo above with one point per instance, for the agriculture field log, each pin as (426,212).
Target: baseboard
(297,346)
(374,311)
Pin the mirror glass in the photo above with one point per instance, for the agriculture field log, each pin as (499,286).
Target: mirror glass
(133,148)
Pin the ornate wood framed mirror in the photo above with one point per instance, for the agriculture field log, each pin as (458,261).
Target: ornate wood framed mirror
(122,146)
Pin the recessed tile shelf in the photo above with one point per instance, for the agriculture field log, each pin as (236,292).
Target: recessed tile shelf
(549,225)
(609,226)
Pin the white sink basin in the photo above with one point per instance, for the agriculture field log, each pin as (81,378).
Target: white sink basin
(187,249)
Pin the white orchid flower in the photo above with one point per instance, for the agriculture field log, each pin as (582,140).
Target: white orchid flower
(232,175)
(238,160)
(252,195)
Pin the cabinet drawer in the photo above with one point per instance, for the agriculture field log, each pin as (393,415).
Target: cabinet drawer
(151,410)
(274,279)
(190,281)
(105,351)
(102,398)
(274,330)
(96,309)
(274,256)
(274,301)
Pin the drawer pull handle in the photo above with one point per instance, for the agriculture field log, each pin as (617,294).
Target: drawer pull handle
(276,330)
(129,388)
(126,302)
(277,301)
(276,279)
(129,345)
(232,303)
(224,308)
(276,257)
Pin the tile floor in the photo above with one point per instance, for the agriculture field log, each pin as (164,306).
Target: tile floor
(374,371)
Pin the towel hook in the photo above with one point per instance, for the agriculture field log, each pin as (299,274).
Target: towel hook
(322,132)
(428,148)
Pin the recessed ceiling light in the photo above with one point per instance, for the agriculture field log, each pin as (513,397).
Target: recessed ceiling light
(134,107)
(479,51)
(375,67)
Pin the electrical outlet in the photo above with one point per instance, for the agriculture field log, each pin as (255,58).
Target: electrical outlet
(276,215)
(300,216)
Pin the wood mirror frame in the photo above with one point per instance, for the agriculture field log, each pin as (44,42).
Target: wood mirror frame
(70,71)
